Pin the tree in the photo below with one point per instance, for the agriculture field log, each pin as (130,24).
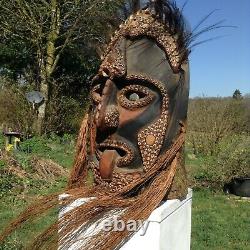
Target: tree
(237,94)
(46,29)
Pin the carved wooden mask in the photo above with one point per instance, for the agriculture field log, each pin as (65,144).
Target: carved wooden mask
(140,99)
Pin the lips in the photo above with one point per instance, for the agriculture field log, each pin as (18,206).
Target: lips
(116,152)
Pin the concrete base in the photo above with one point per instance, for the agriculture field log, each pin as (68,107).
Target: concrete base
(167,228)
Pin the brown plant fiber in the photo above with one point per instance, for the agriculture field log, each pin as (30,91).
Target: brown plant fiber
(79,170)
(134,202)
(131,208)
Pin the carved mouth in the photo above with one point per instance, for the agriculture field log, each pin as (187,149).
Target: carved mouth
(125,153)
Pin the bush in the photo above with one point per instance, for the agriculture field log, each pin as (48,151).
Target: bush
(54,147)
(232,161)
(8,182)
(246,103)
(2,140)
(211,120)
(36,144)
(15,111)
(2,164)
(64,115)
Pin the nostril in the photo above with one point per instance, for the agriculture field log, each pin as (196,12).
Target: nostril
(111,118)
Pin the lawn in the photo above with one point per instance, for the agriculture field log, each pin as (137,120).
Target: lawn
(218,221)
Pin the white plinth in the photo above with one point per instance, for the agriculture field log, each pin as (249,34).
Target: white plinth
(167,228)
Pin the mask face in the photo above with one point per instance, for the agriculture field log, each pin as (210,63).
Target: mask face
(131,111)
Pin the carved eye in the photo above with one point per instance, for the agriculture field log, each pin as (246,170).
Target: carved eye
(135,96)
(96,93)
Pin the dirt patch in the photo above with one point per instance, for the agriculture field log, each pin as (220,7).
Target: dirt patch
(42,169)
(46,169)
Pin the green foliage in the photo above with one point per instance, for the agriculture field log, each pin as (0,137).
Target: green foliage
(8,182)
(65,115)
(36,144)
(63,152)
(2,140)
(19,239)
(246,103)
(212,120)
(16,193)
(218,141)
(15,111)
(218,221)
(14,57)
(13,243)
(2,164)
(233,160)
(57,148)
(198,173)
(237,94)
(52,46)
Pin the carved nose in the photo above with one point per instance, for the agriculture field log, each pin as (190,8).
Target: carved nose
(107,115)
(111,117)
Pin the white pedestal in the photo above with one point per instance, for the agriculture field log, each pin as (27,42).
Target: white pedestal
(167,228)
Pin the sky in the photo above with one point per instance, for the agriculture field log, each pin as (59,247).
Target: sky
(220,66)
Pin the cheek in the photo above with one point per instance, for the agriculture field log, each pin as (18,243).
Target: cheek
(128,116)
(131,122)
(141,116)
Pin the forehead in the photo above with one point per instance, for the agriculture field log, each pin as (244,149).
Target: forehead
(140,57)
(144,57)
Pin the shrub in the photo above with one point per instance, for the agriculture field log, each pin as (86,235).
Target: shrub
(2,164)
(211,120)
(15,111)
(9,181)
(232,161)
(36,144)
(2,140)
(64,115)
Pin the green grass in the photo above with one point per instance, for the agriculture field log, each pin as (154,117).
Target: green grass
(12,205)
(220,222)
(58,149)
(14,198)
